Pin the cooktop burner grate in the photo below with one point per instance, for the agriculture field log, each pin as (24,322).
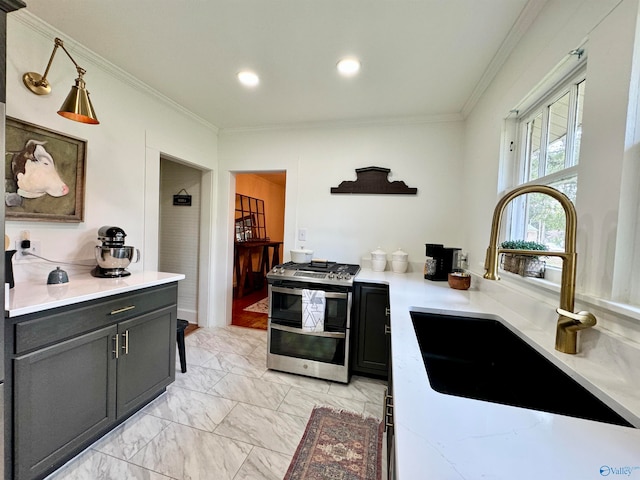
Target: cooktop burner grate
(316,266)
(325,272)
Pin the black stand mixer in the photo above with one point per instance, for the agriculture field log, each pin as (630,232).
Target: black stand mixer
(113,256)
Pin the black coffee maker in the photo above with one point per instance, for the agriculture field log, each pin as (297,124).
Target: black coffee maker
(441,261)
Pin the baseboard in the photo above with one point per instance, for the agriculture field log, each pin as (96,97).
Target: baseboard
(190,316)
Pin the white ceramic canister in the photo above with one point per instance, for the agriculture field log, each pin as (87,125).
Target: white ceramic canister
(399,261)
(301,255)
(378,260)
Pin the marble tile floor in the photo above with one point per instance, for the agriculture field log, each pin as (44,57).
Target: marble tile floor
(228,417)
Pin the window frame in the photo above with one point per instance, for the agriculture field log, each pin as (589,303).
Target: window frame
(570,83)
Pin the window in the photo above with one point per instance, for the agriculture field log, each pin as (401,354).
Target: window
(549,150)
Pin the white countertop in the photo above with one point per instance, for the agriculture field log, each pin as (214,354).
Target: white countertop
(27,298)
(444,437)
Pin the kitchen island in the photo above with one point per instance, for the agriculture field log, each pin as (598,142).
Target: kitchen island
(444,437)
(80,358)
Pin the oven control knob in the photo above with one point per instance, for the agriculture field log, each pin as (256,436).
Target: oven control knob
(340,276)
(282,270)
(347,276)
(331,275)
(275,270)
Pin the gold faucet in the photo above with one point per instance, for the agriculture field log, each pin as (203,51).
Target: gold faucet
(568,322)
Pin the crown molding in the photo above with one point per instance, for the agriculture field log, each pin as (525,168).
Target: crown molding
(527,16)
(49,32)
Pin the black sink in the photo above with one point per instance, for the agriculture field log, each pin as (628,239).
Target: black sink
(481,358)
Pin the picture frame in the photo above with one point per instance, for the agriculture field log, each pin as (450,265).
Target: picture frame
(44,174)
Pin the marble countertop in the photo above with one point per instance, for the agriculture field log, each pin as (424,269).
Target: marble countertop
(446,437)
(30,297)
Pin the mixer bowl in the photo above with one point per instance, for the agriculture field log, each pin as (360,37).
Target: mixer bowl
(116,257)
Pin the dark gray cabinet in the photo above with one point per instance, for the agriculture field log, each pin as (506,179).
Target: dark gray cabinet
(78,371)
(369,330)
(144,365)
(371,350)
(6,7)
(64,395)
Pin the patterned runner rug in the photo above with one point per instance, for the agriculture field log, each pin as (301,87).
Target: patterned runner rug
(338,444)
(261,306)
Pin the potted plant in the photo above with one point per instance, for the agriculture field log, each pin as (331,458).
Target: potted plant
(524,265)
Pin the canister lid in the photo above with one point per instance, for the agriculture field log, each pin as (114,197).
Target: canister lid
(400,254)
(57,277)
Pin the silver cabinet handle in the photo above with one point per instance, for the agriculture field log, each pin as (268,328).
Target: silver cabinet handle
(388,410)
(125,342)
(115,345)
(387,311)
(387,330)
(384,408)
(121,310)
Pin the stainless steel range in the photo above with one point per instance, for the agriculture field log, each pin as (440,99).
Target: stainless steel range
(310,318)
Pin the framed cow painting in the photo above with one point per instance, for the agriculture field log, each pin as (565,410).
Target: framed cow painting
(44,174)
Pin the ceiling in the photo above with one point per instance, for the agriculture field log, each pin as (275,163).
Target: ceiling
(420,58)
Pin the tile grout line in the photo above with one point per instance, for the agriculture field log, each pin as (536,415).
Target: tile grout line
(237,340)
(243,462)
(135,464)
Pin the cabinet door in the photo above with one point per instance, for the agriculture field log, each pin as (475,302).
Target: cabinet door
(64,395)
(371,346)
(146,363)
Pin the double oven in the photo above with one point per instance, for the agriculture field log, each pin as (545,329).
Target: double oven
(320,352)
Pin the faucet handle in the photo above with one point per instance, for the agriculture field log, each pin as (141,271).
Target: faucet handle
(585,319)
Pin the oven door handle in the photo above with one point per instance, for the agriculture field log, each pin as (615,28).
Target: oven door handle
(298,291)
(304,332)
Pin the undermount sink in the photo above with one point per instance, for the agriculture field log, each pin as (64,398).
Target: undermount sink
(483,359)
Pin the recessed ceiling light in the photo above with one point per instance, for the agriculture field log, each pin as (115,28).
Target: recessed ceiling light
(248,78)
(348,66)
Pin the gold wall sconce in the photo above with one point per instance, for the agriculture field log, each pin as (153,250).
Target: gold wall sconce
(77,105)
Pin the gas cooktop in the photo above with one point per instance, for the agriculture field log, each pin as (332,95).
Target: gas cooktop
(326,272)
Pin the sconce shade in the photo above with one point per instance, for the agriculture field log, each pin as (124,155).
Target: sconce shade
(77,105)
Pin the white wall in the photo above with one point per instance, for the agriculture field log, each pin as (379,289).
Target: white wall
(346,228)
(123,159)
(560,27)
(455,165)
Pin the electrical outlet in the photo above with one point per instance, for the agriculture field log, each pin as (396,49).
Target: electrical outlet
(34,248)
(302,234)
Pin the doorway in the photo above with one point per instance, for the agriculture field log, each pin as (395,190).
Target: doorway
(179,231)
(255,255)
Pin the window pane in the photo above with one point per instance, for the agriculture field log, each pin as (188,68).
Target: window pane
(557,148)
(552,144)
(534,129)
(578,141)
(546,219)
